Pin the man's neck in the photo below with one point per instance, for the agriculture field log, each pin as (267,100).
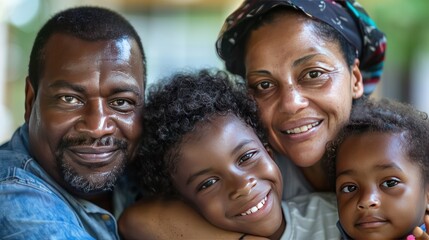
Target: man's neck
(103,200)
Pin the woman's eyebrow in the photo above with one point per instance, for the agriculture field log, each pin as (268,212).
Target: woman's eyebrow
(303,59)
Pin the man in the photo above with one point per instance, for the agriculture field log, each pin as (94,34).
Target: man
(83,103)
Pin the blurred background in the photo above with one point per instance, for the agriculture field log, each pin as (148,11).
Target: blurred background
(180,34)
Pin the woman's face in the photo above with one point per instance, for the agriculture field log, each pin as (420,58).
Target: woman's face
(302,84)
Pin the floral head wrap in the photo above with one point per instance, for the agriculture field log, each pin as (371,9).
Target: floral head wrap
(346,16)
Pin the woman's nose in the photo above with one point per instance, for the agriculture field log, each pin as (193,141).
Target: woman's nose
(292,100)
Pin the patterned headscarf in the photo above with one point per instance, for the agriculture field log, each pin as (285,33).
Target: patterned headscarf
(346,16)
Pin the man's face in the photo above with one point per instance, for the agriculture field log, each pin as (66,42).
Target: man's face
(84,122)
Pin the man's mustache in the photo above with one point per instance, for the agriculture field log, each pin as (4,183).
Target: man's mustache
(94,142)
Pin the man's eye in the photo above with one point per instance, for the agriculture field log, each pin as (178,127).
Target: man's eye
(349,189)
(122,105)
(120,102)
(390,183)
(70,100)
(207,184)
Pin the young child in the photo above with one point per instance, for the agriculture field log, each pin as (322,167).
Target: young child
(380,165)
(203,143)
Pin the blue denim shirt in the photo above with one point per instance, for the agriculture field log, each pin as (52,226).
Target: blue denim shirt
(34,206)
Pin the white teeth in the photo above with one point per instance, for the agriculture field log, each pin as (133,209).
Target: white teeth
(302,129)
(255,208)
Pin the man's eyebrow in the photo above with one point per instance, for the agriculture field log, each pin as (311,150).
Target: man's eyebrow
(127,88)
(65,84)
(119,89)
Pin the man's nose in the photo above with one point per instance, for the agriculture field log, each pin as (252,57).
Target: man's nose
(96,120)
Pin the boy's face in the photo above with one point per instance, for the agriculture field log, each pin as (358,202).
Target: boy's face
(227,174)
(379,189)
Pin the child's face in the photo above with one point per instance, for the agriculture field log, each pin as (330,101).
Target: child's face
(224,171)
(380,191)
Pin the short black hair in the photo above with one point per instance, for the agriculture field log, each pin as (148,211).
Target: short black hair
(87,23)
(385,116)
(174,108)
(325,31)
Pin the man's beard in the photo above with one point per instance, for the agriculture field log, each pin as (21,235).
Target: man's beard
(92,183)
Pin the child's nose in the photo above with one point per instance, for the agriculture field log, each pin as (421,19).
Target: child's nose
(369,200)
(243,188)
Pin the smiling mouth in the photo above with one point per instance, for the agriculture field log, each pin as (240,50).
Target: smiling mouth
(302,129)
(95,158)
(255,208)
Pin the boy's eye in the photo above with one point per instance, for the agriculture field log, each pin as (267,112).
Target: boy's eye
(207,184)
(349,189)
(390,183)
(246,157)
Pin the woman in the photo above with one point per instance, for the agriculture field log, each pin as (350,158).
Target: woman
(305,62)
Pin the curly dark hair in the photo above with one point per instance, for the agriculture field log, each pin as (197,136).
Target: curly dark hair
(385,116)
(173,109)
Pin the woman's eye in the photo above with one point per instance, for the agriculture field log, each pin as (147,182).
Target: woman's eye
(314,74)
(390,183)
(349,189)
(246,157)
(207,184)
(264,85)
(70,100)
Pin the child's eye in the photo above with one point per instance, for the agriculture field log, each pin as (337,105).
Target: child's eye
(349,188)
(207,184)
(390,183)
(246,157)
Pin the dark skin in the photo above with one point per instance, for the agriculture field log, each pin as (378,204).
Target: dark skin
(304,89)
(297,79)
(92,90)
(236,175)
